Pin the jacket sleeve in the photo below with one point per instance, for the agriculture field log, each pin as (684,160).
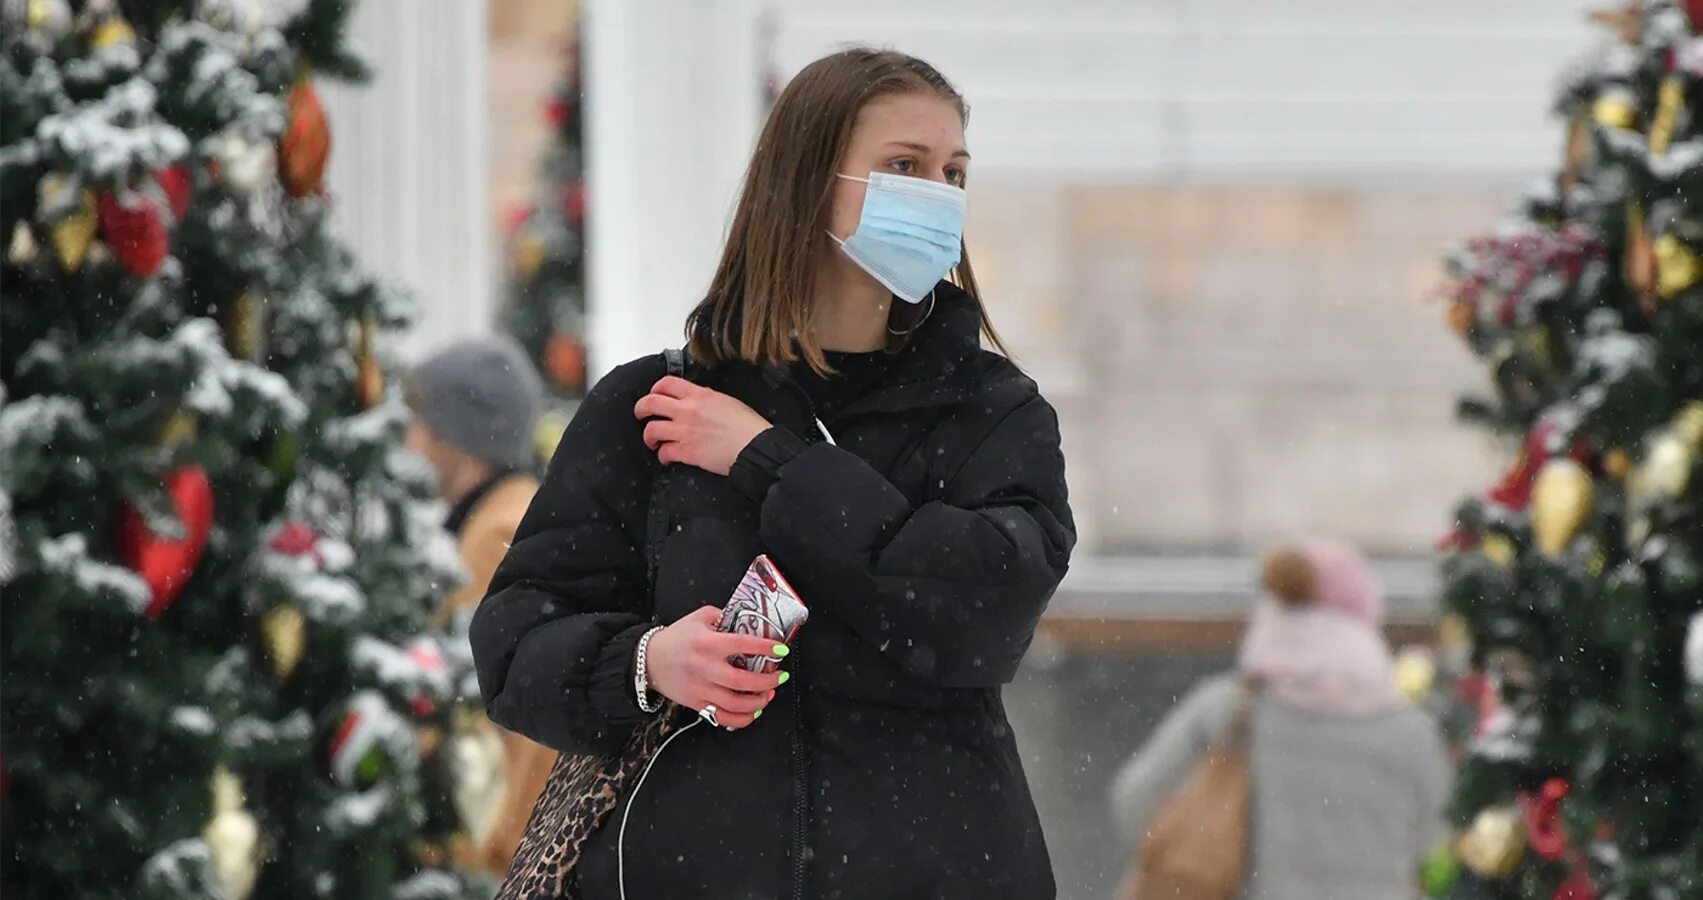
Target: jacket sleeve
(553,638)
(1177,746)
(952,589)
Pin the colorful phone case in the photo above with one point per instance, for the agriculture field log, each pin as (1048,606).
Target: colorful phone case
(766,606)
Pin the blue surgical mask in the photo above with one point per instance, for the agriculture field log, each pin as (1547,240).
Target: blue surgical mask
(911,233)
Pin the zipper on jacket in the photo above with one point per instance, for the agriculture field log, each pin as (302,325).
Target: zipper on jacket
(800,768)
(800,808)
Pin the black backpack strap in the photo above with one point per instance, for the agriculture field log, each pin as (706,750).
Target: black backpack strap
(656,517)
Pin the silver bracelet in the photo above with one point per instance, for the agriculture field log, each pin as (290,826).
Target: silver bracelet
(641,678)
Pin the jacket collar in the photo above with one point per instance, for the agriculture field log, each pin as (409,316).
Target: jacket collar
(937,367)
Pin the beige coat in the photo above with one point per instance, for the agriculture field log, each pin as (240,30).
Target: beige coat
(483,541)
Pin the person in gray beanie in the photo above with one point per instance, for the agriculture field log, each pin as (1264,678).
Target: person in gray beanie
(481,397)
(475,406)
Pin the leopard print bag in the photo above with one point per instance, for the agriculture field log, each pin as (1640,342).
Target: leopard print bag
(584,788)
(582,791)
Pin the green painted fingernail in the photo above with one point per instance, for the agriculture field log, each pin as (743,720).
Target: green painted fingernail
(756,715)
(782,650)
(785,677)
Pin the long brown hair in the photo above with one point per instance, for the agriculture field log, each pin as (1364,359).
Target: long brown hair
(758,306)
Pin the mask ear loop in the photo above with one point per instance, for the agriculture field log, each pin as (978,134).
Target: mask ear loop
(925,314)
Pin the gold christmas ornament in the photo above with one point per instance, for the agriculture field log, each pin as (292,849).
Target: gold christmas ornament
(1617,463)
(1498,549)
(1667,469)
(476,753)
(1416,673)
(1454,639)
(283,631)
(233,837)
(1615,111)
(1689,424)
(245,331)
(1562,498)
(1677,266)
(528,252)
(1639,530)
(1461,316)
(112,32)
(180,429)
(50,17)
(1670,99)
(548,433)
(1640,263)
(1495,842)
(22,250)
(73,234)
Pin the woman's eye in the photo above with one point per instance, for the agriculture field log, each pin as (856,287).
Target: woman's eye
(955,175)
(904,166)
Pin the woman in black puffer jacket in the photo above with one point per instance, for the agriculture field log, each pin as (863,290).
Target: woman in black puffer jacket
(908,483)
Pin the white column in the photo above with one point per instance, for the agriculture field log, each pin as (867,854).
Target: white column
(408,161)
(674,100)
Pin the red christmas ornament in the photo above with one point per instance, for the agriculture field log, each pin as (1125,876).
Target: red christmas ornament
(135,229)
(1544,833)
(573,202)
(426,654)
(1456,539)
(305,148)
(564,359)
(1578,886)
(179,186)
(1515,489)
(166,564)
(515,218)
(295,539)
(559,111)
(1478,689)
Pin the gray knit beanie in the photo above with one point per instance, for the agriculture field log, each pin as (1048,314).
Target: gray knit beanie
(482,396)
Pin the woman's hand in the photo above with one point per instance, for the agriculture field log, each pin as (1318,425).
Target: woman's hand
(697,426)
(687,663)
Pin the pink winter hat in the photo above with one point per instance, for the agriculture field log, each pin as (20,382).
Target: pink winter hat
(1327,574)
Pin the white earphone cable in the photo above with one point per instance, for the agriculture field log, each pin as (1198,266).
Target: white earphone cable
(621,837)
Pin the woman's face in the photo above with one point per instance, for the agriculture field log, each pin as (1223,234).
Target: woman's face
(917,134)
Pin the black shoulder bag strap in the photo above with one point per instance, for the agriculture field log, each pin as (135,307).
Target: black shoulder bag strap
(656,516)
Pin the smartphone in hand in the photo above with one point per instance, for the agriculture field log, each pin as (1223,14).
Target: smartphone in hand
(765,605)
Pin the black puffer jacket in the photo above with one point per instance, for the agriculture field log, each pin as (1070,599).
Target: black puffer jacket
(927,543)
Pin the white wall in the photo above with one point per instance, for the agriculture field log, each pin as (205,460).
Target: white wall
(1093,90)
(408,167)
(673,108)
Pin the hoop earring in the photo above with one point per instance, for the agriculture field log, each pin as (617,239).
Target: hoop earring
(925,314)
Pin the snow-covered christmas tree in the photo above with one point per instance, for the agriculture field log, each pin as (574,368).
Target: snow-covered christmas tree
(1576,581)
(545,309)
(217,562)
